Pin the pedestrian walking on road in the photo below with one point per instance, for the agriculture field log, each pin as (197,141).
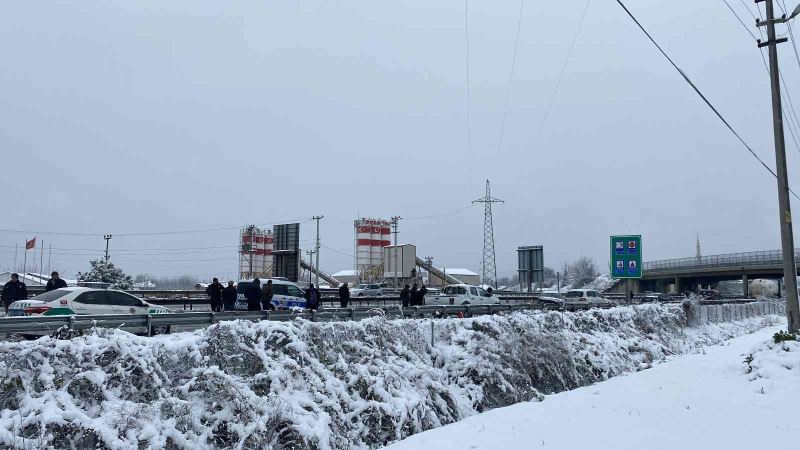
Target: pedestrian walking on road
(214,291)
(55,282)
(266,296)
(229,297)
(312,297)
(413,295)
(344,295)
(253,295)
(421,295)
(405,296)
(14,290)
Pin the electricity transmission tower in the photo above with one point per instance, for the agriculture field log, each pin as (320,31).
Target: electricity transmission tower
(488,268)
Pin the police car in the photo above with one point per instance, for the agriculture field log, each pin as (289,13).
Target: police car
(83,300)
(285,294)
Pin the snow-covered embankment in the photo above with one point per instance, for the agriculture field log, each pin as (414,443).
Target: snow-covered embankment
(319,385)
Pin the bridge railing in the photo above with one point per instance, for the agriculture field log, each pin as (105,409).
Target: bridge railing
(760,258)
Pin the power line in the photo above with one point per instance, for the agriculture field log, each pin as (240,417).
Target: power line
(469,107)
(794,127)
(445,213)
(510,83)
(560,78)
(149,233)
(337,251)
(703,97)
(740,20)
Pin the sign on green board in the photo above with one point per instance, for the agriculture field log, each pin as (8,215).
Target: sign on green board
(626,256)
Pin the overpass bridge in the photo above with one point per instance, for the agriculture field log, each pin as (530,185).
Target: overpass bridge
(686,274)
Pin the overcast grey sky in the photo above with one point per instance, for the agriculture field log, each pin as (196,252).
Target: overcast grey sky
(129,117)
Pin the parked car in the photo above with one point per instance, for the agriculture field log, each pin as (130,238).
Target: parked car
(367,290)
(462,294)
(551,298)
(285,294)
(655,297)
(585,296)
(83,301)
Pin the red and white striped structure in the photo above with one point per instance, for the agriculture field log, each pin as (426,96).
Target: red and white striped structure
(255,252)
(371,236)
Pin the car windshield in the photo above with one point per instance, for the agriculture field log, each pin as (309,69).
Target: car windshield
(51,295)
(574,294)
(361,286)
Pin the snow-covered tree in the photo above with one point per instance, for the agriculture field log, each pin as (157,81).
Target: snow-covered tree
(105,272)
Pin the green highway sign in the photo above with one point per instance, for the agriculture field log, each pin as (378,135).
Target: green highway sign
(626,256)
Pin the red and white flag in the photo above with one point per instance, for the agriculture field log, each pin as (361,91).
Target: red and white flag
(30,244)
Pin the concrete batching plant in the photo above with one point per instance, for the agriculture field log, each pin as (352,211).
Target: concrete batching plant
(371,235)
(255,252)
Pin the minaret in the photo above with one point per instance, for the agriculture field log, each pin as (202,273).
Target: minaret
(698,255)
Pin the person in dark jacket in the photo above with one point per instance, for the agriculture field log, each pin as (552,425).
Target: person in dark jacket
(55,282)
(421,295)
(14,290)
(253,295)
(405,296)
(344,295)
(229,297)
(312,297)
(214,291)
(413,295)
(266,296)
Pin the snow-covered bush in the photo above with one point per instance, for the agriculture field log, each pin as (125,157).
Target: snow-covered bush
(306,385)
(105,272)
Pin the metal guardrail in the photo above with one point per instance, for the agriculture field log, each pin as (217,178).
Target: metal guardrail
(51,324)
(760,258)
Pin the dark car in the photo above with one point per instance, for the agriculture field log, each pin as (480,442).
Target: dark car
(655,297)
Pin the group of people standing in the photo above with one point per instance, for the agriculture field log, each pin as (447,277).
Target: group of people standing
(414,296)
(221,296)
(259,297)
(15,289)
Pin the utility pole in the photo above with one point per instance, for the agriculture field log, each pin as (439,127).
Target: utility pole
(784,207)
(310,254)
(316,278)
(488,266)
(395,223)
(107,237)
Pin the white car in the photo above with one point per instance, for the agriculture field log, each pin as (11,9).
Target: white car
(367,290)
(585,296)
(285,294)
(82,301)
(462,294)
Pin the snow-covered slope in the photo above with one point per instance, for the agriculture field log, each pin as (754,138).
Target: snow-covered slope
(319,385)
(695,402)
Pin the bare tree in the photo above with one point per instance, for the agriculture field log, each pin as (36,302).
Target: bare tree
(581,272)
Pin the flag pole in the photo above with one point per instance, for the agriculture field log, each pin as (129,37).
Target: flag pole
(25,259)
(41,259)
(49,258)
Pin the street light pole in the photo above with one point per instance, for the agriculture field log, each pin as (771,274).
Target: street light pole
(784,207)
(107,237)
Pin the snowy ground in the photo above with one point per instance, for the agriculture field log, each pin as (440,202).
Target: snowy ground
(699,401)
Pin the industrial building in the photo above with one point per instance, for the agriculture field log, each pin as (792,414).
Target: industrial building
(371,235)
(255,252)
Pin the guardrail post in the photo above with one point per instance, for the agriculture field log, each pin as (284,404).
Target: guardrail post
(431,332)
(71,323)
(149,326)
(213,318)
(352,313)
